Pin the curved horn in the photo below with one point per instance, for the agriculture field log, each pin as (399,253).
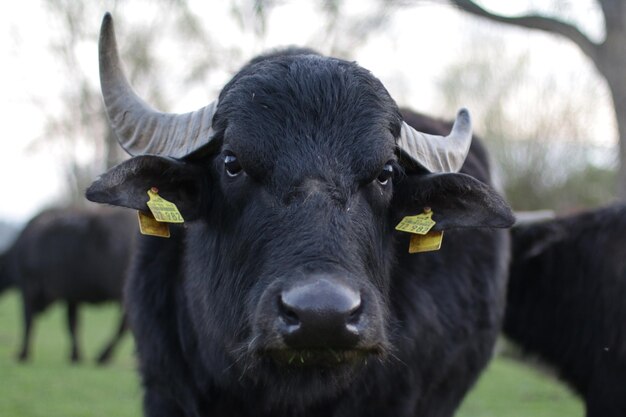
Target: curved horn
(139,128)
(438,153)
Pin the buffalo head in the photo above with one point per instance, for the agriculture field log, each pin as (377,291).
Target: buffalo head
(291,184)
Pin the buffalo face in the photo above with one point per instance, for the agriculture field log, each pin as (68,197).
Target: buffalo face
(295,232)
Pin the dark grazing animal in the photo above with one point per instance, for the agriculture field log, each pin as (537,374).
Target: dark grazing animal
(74,256)
(288,292)
(567,302)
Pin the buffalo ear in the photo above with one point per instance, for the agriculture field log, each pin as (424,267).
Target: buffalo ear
(457,201)
(127,184)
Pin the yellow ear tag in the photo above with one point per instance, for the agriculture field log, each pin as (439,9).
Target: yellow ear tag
(431,241)
(422,238)
(163,210)
(149,226)
(419,224)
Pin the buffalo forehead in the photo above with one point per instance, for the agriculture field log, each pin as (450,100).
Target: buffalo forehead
(309,110)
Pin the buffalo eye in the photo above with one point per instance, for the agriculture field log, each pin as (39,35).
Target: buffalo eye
(232,165)
(385,174)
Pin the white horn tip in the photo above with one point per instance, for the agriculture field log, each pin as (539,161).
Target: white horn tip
(463,122)
(463,115)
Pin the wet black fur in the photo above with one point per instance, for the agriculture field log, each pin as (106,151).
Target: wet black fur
(72,256)
(567,302)
(313,133)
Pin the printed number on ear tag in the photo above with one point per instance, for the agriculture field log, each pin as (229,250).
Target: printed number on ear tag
(163,210)
(419,224)
(149,226)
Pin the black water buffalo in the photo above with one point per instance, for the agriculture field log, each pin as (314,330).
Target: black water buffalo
(288,292)
(567,302)
(70,255)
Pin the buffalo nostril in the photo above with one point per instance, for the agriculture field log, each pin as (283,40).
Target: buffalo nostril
(355,315)
(289,316)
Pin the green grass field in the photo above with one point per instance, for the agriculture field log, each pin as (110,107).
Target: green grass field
(49,386)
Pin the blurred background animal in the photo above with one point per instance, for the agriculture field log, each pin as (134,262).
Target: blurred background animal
(567,302)
(73,256)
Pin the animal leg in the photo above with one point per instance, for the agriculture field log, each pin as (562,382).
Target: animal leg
(28,321)
(105,356)
(72,319)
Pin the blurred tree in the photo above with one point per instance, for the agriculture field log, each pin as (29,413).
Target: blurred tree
(342,30)
(78,129)
(609,56)
(543,154)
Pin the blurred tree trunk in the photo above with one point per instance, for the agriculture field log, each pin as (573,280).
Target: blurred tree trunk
(608,56)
